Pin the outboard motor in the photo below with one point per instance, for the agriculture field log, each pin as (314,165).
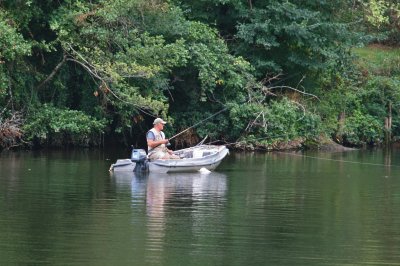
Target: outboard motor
(139,157)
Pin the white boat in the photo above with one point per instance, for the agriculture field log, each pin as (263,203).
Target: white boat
(191,160)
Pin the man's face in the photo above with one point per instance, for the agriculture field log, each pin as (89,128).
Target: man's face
(159,126)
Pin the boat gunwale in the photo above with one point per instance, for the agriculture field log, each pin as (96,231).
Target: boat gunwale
(217,151)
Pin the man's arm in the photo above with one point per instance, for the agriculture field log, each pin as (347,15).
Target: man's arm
(154,143)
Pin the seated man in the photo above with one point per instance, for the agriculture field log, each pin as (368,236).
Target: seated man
(156,142)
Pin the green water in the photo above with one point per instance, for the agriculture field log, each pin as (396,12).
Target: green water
(64,208)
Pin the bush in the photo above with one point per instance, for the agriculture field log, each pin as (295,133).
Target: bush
(362,129)
(282,122)
(287,121)
(10,130)
(52,126)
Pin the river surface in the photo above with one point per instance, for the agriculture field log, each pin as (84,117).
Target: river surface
(65,208)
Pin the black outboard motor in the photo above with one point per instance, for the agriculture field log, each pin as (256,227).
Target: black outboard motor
(139,157)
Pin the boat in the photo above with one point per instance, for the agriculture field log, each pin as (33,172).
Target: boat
(191,160)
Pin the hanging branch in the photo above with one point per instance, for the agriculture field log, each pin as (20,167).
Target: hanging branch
(86,64)
(270,79)
(250,125)
(302,107)
(53,73)
(265,87)
(95,70)
(267,90)
(96,73)
(91,71)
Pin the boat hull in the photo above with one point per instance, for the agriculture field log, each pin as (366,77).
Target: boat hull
(123,165)
(157,168)
(209,162)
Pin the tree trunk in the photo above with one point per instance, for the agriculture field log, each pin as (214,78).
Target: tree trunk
(341,122)
(388,125)
(250,4)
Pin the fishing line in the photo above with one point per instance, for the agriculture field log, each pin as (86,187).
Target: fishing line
(336,160)
(244,141)
(314,157)
(198,123)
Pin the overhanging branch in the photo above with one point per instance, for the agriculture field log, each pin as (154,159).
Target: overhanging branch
(53,73)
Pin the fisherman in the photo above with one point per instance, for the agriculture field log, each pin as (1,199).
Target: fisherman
(156,142)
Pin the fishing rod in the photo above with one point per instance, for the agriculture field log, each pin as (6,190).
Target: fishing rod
(198,123)
(243,141)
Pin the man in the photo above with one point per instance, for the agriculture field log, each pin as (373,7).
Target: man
(156,142)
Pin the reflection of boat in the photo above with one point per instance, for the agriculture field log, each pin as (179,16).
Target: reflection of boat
(167,198)
(125,179)
(198,184)
(191,160)
(189,186)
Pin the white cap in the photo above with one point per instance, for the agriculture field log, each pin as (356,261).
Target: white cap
(159,120)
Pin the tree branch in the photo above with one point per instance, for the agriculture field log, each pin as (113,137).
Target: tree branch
(91,72)
(302,107)
(267,90)
(250,5)
(53,73)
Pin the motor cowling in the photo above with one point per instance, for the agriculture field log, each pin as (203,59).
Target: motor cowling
(139,157)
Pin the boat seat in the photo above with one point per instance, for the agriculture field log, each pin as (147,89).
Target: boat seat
(197,154)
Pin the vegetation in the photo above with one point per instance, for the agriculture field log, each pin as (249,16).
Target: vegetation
(290,73)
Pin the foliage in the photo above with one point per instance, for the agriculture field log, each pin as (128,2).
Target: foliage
(306,33)
(131,54)
(383,16)
(283,69)
(107,43)
(376,15)
(52,126)
(362,129)
(280,121)
(12,43)
(12,47)
(287,121)
(278,36)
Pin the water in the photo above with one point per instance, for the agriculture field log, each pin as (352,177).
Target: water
(64,208)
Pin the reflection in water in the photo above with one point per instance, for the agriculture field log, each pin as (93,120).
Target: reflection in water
(166,193)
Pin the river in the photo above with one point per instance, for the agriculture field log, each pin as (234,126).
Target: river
(314,208)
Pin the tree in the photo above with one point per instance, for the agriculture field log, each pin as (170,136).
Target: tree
(383,16)
(279,36)
(123,60)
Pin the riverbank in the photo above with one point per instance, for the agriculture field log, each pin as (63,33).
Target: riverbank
(323,144)
(299,144)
